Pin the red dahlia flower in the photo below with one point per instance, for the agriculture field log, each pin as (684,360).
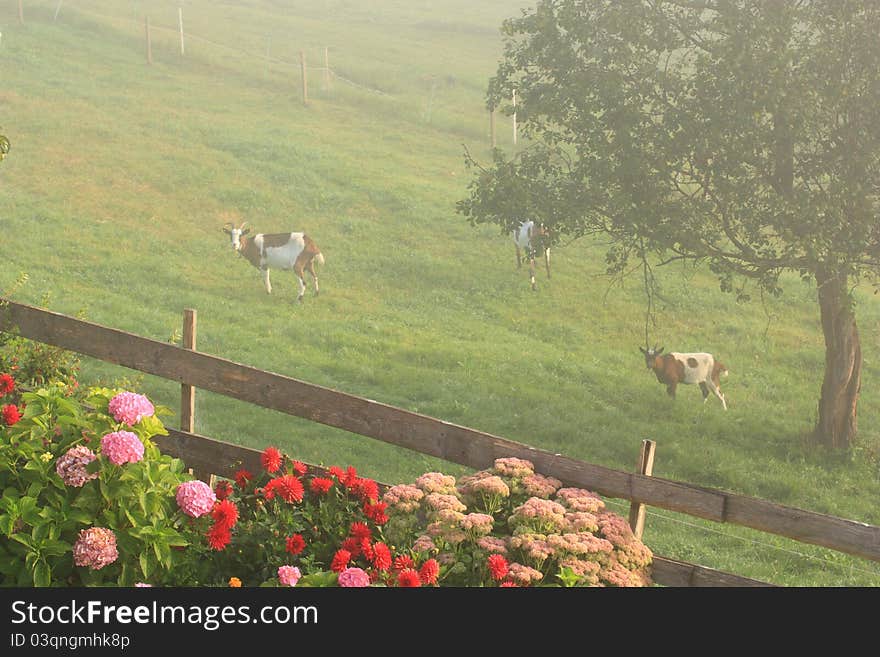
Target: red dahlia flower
(242,477)
(409,578)
(353,545)
(365,489)
(7,384)
(320,485)
(225,514)
(219,537)
(375,511)
(287,486)
(497,566)
(300,468)
(222,490)
(381,556)
(429,572)
(11,414)
(295,544)
(271,459)
(340,561)
(360,530)
(402,562)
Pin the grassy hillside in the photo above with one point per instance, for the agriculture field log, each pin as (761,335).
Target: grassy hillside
(121,175)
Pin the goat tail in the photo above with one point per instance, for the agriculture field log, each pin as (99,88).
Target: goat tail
(319,258)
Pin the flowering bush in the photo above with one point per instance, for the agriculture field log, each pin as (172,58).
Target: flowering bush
(291,525)
(87,498)
(510,526)
(35,364)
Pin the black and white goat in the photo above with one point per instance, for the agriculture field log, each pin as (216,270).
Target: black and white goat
(533,240)
(285,251)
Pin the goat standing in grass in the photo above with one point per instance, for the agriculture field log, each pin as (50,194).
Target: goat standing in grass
(286,251)
(675,368)
(532,239)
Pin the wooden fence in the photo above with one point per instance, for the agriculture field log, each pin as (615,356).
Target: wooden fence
(426,435)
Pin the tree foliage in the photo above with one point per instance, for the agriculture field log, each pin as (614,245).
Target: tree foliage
(740,133)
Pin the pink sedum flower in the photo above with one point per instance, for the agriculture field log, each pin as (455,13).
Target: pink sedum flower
(122,447)
(95,548)
(289,575)
(436,482)
(513,467)
(71,467)
(130,407)
(195,498)
(353,577)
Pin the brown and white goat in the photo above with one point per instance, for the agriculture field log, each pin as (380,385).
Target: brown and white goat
(532,240)
(674,368)
(285,251)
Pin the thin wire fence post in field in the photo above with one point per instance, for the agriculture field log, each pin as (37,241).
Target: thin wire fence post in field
(149,44)
(180,21)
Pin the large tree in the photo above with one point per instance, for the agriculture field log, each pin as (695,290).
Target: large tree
(745,134)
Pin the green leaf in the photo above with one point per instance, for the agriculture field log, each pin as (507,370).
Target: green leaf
(42,574)
(24,539)
(322,579)
(146,564)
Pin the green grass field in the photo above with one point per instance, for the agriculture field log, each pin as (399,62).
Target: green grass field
(121,175)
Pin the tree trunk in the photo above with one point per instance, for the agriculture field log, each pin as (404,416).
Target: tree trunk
(837,424)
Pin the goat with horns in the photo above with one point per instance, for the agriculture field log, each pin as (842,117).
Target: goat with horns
(285,251)
(674,368)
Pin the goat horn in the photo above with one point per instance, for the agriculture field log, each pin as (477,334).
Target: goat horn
(243,225)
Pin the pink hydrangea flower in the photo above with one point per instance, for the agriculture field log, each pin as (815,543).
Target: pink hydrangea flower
(130,407)
(195,498)
(71,467)
(289,575)
(95,548)
(122,447)
(353,577)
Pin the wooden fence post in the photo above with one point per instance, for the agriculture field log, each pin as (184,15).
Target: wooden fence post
(646,467)
(326,69)
(20,13)
(188,392)
(149,45)
(305,77)
(180,21)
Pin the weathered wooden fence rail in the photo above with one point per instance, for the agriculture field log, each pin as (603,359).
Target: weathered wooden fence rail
(431,436)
